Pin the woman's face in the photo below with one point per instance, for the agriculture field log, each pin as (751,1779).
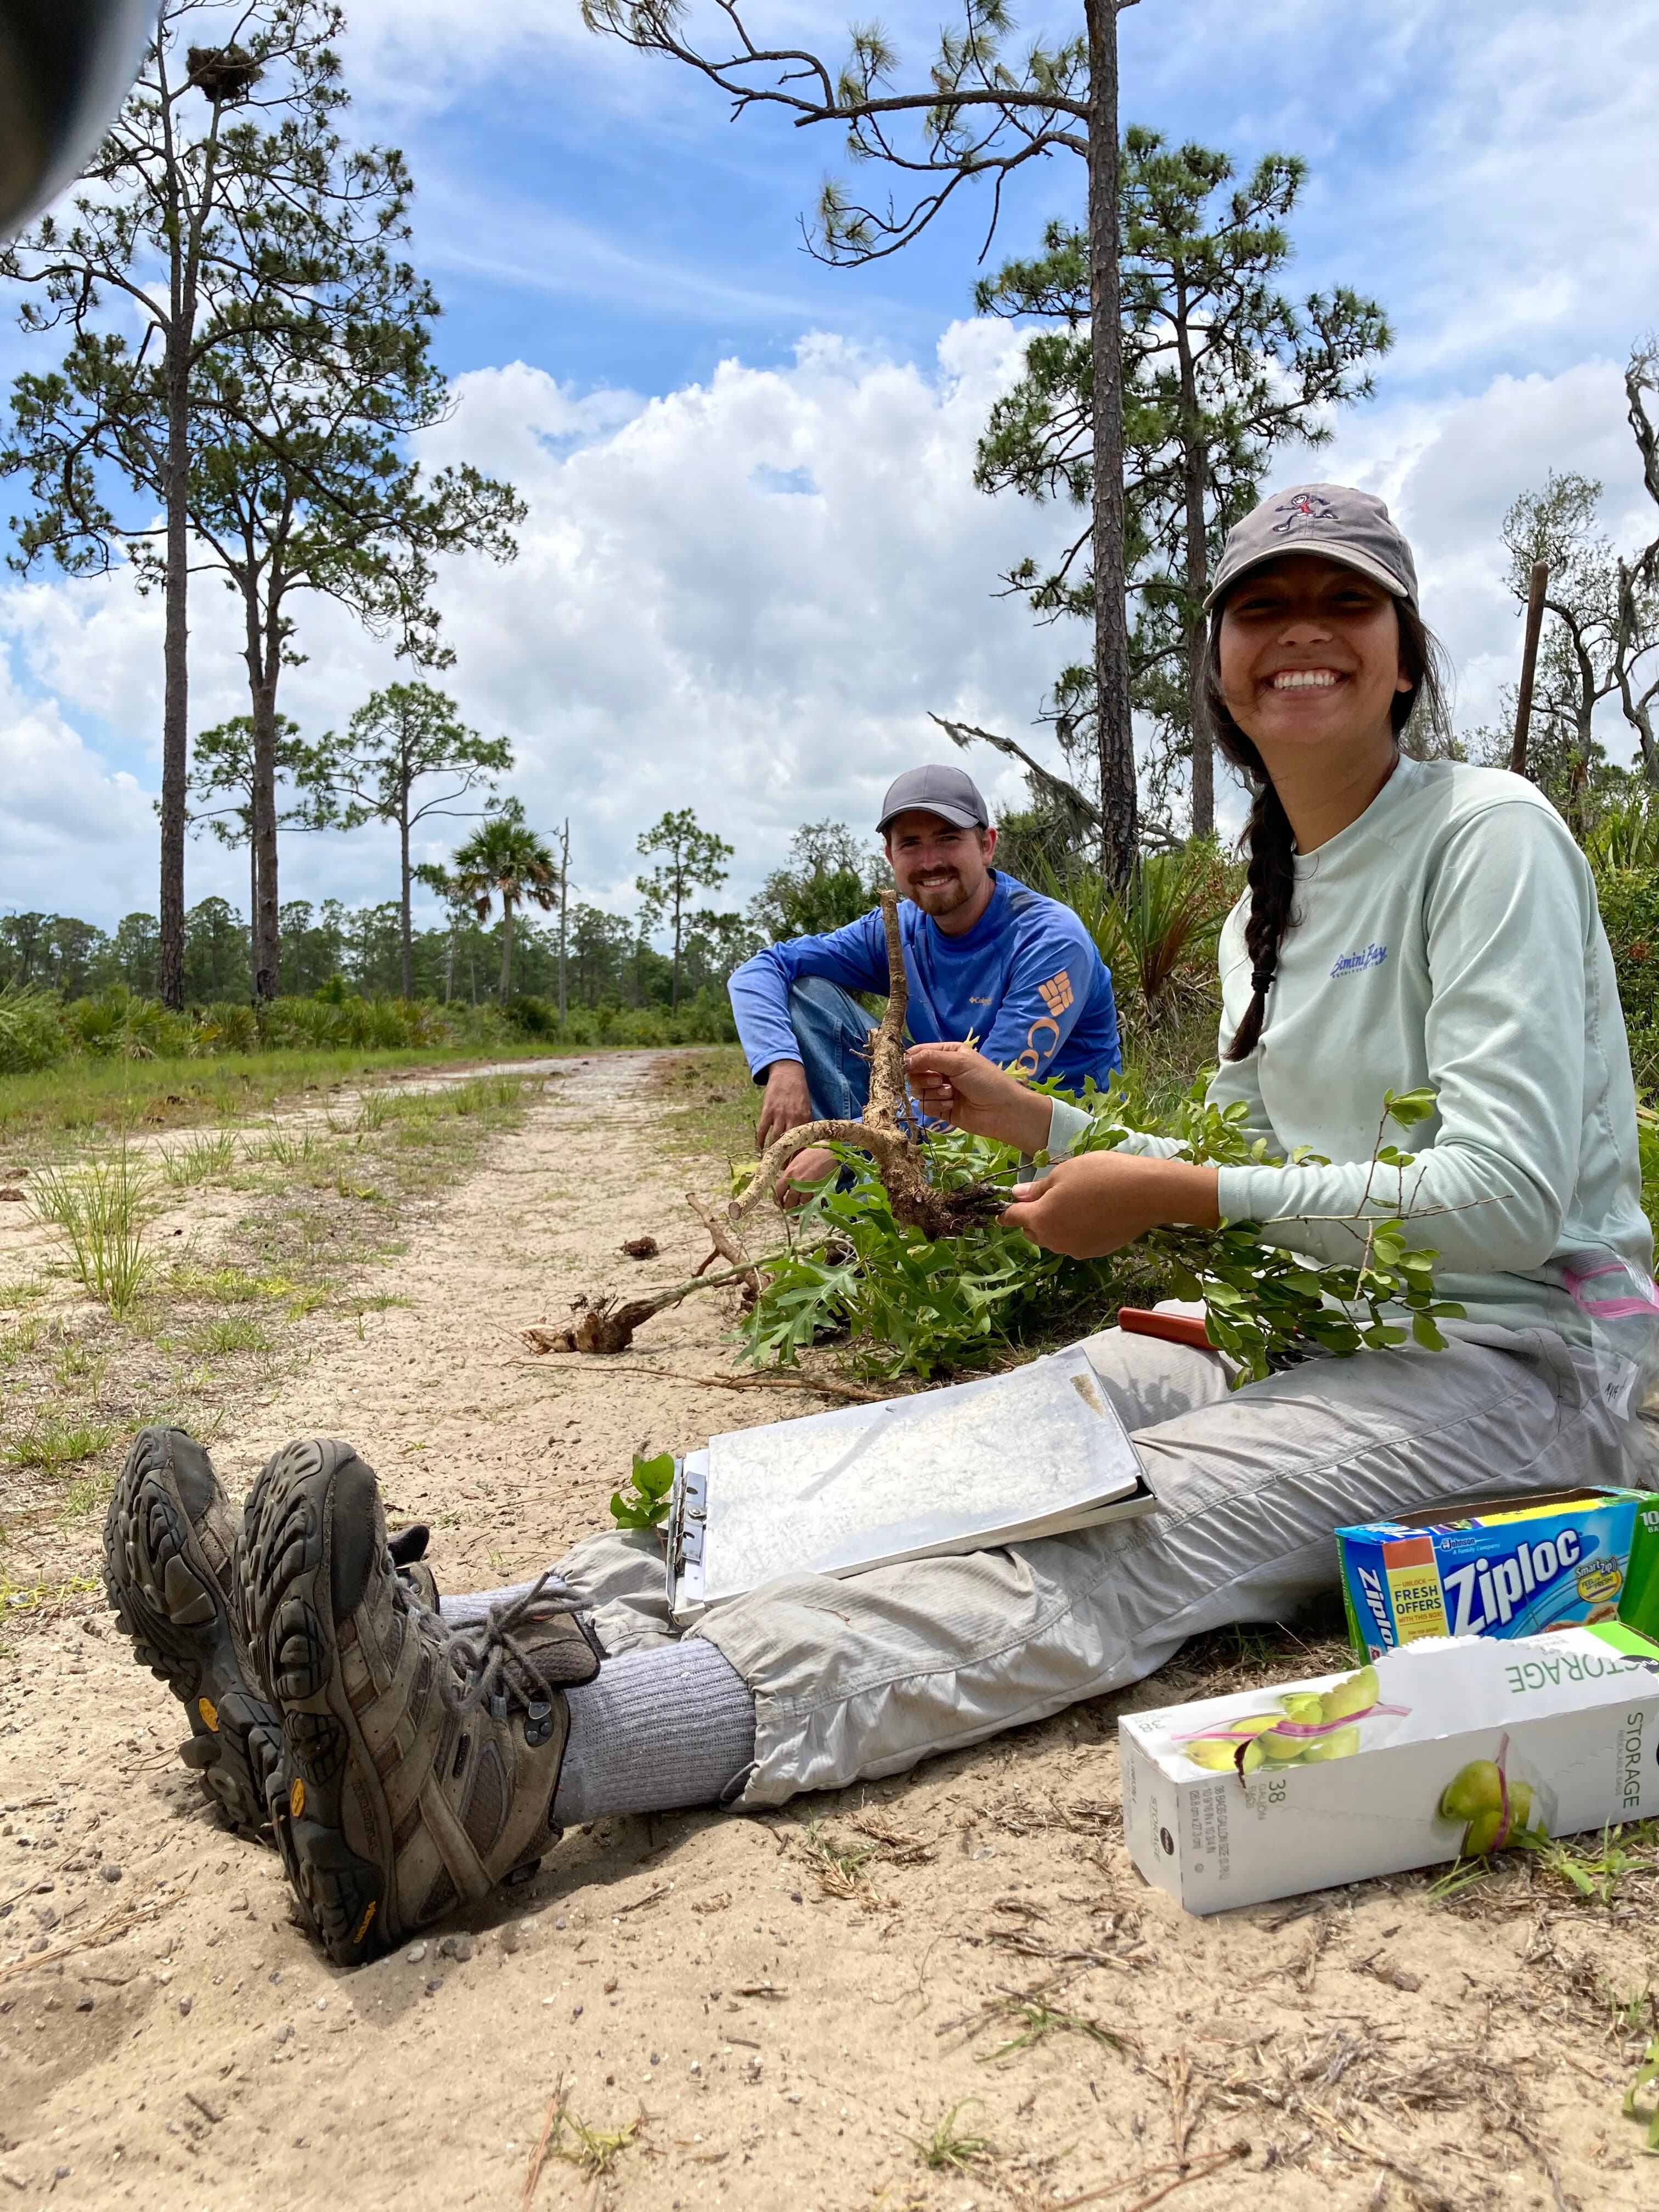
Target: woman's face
(1310,655)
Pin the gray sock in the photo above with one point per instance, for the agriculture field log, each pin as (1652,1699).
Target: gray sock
(655,1730)
(471,1609)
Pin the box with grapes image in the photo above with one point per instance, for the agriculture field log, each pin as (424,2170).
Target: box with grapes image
(1443,1748)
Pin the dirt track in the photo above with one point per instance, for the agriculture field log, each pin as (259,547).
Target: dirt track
(787,2006)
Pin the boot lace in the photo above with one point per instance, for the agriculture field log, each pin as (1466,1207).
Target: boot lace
(490,1663)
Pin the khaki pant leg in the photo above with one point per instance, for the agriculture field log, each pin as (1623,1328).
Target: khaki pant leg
(861,1678)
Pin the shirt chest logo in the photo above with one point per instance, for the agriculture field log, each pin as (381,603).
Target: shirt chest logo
(1351,963)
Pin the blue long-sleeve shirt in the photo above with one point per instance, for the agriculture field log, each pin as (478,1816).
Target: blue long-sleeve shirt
(1025,984)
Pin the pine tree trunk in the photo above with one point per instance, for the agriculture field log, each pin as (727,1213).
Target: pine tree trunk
(409,957)
(175,707)
(1197,577)
(1114,727)
(263,663)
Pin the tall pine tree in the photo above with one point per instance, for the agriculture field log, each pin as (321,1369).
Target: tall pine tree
(1221,369)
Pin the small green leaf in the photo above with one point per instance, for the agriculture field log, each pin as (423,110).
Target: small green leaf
(1426,1334)
(1408,1108)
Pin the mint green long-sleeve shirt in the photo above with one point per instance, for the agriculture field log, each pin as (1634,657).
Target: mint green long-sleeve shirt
(1449,937)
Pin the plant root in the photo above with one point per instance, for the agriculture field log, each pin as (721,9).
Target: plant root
(886,1131)
(603,1325)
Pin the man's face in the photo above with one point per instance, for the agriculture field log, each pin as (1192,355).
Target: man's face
(939,867)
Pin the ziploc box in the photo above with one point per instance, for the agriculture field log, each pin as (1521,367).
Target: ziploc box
(1439,1750)
(1503,1567)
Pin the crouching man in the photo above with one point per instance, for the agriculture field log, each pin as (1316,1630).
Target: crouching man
(988,963)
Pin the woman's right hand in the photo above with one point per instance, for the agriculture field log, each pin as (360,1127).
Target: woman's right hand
(956,1084)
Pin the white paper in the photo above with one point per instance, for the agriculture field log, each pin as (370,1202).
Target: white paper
(943,1471)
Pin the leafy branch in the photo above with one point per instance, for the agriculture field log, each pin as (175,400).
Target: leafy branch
(918,1304)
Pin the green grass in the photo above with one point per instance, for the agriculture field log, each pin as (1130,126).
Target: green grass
(947,2148)
(60,1106)
(208,1157)
(17,1343)
(21,1294)
(54,1443)
(1038,2021)
(708,1103)
(234,1332)
(101,1208)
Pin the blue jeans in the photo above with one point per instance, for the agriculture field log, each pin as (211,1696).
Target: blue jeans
(830,1028)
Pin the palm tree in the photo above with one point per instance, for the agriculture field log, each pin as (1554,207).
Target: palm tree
(504,859)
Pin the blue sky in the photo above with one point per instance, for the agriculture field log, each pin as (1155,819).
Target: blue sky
(754,561)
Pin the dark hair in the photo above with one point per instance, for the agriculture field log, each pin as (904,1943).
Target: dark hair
(1268,837)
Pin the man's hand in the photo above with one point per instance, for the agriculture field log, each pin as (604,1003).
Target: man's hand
(794,1185)
(786,1104)
(1089,1206)
(954,1082)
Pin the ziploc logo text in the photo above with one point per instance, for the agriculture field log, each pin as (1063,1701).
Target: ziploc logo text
(1371,1589)
(1486,1595)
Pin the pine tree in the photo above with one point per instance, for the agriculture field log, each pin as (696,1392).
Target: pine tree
(1221,370)
(695,861)
(405,735)
(981,111)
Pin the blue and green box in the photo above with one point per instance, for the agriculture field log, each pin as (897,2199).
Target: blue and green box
(1503,1567)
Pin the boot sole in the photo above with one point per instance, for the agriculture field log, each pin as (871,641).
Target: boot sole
(285,1578)
(167,1598)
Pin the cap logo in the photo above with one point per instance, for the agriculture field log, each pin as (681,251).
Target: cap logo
(1301,511)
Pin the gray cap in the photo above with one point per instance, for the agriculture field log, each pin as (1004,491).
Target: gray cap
(1345,525)
(950,792)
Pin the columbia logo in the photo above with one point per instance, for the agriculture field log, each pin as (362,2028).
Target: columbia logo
(1056,993)
(1372,957)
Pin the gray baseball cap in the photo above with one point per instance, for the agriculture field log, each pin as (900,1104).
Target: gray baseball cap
(950,792)
(1348,526)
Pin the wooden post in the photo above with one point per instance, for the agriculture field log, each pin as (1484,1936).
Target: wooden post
(1541,577)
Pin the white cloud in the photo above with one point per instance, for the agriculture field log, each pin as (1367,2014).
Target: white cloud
(1450,473)
(73,833)
(744,596)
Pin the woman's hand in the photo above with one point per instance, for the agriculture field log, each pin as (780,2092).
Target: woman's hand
(956,1084)
(1089,1206)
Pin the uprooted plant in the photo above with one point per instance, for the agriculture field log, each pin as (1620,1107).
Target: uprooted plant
(887,1133)
(911,1304)
(902,1251)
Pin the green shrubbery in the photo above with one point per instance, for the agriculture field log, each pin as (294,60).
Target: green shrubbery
(704,1019)
(38,1028)
(1630,913)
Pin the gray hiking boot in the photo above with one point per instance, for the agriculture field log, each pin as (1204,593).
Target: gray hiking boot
(419,1765)
(169,1539)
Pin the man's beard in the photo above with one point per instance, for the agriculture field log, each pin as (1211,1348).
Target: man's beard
(940,899)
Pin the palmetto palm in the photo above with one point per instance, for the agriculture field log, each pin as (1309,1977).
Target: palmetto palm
(504,859)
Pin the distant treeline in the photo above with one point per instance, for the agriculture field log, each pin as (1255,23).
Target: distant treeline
(325,948)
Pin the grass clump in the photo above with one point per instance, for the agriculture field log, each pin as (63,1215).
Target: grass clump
(1038,2021)
(208,1157)
(102,1209)
(234,1332)
(55,1443)
(948,2148)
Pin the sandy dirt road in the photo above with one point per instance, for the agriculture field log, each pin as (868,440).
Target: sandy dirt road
(785,2006)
